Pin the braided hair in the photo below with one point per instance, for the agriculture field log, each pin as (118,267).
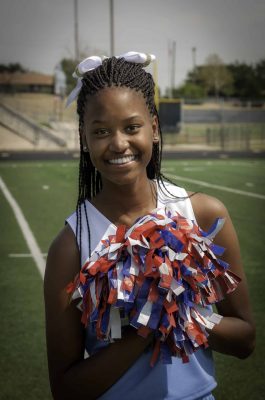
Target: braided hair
(112,72)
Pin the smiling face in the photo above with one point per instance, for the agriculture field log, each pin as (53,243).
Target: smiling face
(119,133)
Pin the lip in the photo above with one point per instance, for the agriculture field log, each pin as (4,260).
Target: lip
(122,160)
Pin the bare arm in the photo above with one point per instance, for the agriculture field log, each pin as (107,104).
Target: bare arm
(235,335)
(72,377)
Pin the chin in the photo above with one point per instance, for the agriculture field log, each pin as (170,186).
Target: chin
(124,180)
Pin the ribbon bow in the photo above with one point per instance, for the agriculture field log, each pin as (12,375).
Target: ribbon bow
(93,62)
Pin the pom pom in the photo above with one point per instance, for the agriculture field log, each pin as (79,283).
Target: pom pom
(161,275)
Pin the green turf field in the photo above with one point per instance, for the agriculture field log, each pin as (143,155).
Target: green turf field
(46,193)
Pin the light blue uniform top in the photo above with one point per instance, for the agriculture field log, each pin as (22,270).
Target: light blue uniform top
(176,381)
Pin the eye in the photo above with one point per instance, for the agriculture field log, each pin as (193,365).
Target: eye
(134,128)
(101,132)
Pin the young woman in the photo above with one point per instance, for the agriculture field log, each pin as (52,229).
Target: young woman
(119,181)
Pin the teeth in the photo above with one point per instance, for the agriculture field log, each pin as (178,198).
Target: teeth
(122,160)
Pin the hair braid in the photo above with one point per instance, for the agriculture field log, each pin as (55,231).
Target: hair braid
(113,72)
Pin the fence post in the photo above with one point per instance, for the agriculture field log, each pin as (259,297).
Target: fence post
(222,133)
(208,136)
(222,138)
(187,134)
(247,138)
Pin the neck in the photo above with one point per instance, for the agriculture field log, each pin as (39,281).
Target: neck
(124,203)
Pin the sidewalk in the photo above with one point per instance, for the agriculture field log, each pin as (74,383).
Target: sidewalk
(188,147)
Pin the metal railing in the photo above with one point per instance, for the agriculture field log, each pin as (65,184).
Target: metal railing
(26,128)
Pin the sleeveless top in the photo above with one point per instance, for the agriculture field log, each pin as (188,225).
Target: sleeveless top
(175,381)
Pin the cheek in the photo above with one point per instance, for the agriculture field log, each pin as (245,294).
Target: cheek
(147,146)
(149,155)
(94,153)
(95,158)
(95,147)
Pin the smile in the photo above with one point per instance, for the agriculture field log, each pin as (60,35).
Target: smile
(123,160)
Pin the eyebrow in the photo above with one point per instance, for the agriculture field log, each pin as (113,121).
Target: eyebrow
(97,121)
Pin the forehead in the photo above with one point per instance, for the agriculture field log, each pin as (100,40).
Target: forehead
(116,101)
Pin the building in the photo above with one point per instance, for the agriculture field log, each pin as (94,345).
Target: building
(26,82)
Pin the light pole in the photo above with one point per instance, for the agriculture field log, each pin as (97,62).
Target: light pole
(173,70)
(76,30)
(194,49)
(112,50)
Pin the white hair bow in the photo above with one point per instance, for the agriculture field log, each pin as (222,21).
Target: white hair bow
(90,63)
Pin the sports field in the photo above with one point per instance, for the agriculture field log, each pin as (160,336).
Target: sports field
(46,193)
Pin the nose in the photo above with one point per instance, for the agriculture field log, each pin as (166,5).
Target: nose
(118,142)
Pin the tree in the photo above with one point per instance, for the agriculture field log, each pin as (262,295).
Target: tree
(216,77)
(195,76)
(212,79)
(239,80)
(260,76)
(11,68)
(189,90)
(245,82)
(68,67)
(249,80)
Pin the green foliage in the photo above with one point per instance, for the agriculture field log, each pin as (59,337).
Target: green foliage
(189,91)
(68,66)
(214,78)
(260,76)
(11,68)
(249,80)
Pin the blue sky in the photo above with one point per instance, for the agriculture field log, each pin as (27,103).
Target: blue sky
(38,33)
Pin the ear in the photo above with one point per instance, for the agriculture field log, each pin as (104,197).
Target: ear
(84,141)
(155,129)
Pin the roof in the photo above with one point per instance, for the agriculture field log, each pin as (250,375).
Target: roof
(26,78)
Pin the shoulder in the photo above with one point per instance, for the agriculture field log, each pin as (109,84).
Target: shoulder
(64,243)
(63,258)
(206,209)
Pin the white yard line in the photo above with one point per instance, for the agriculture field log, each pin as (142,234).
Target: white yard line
(218,187)
(26,231)
(23,255)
